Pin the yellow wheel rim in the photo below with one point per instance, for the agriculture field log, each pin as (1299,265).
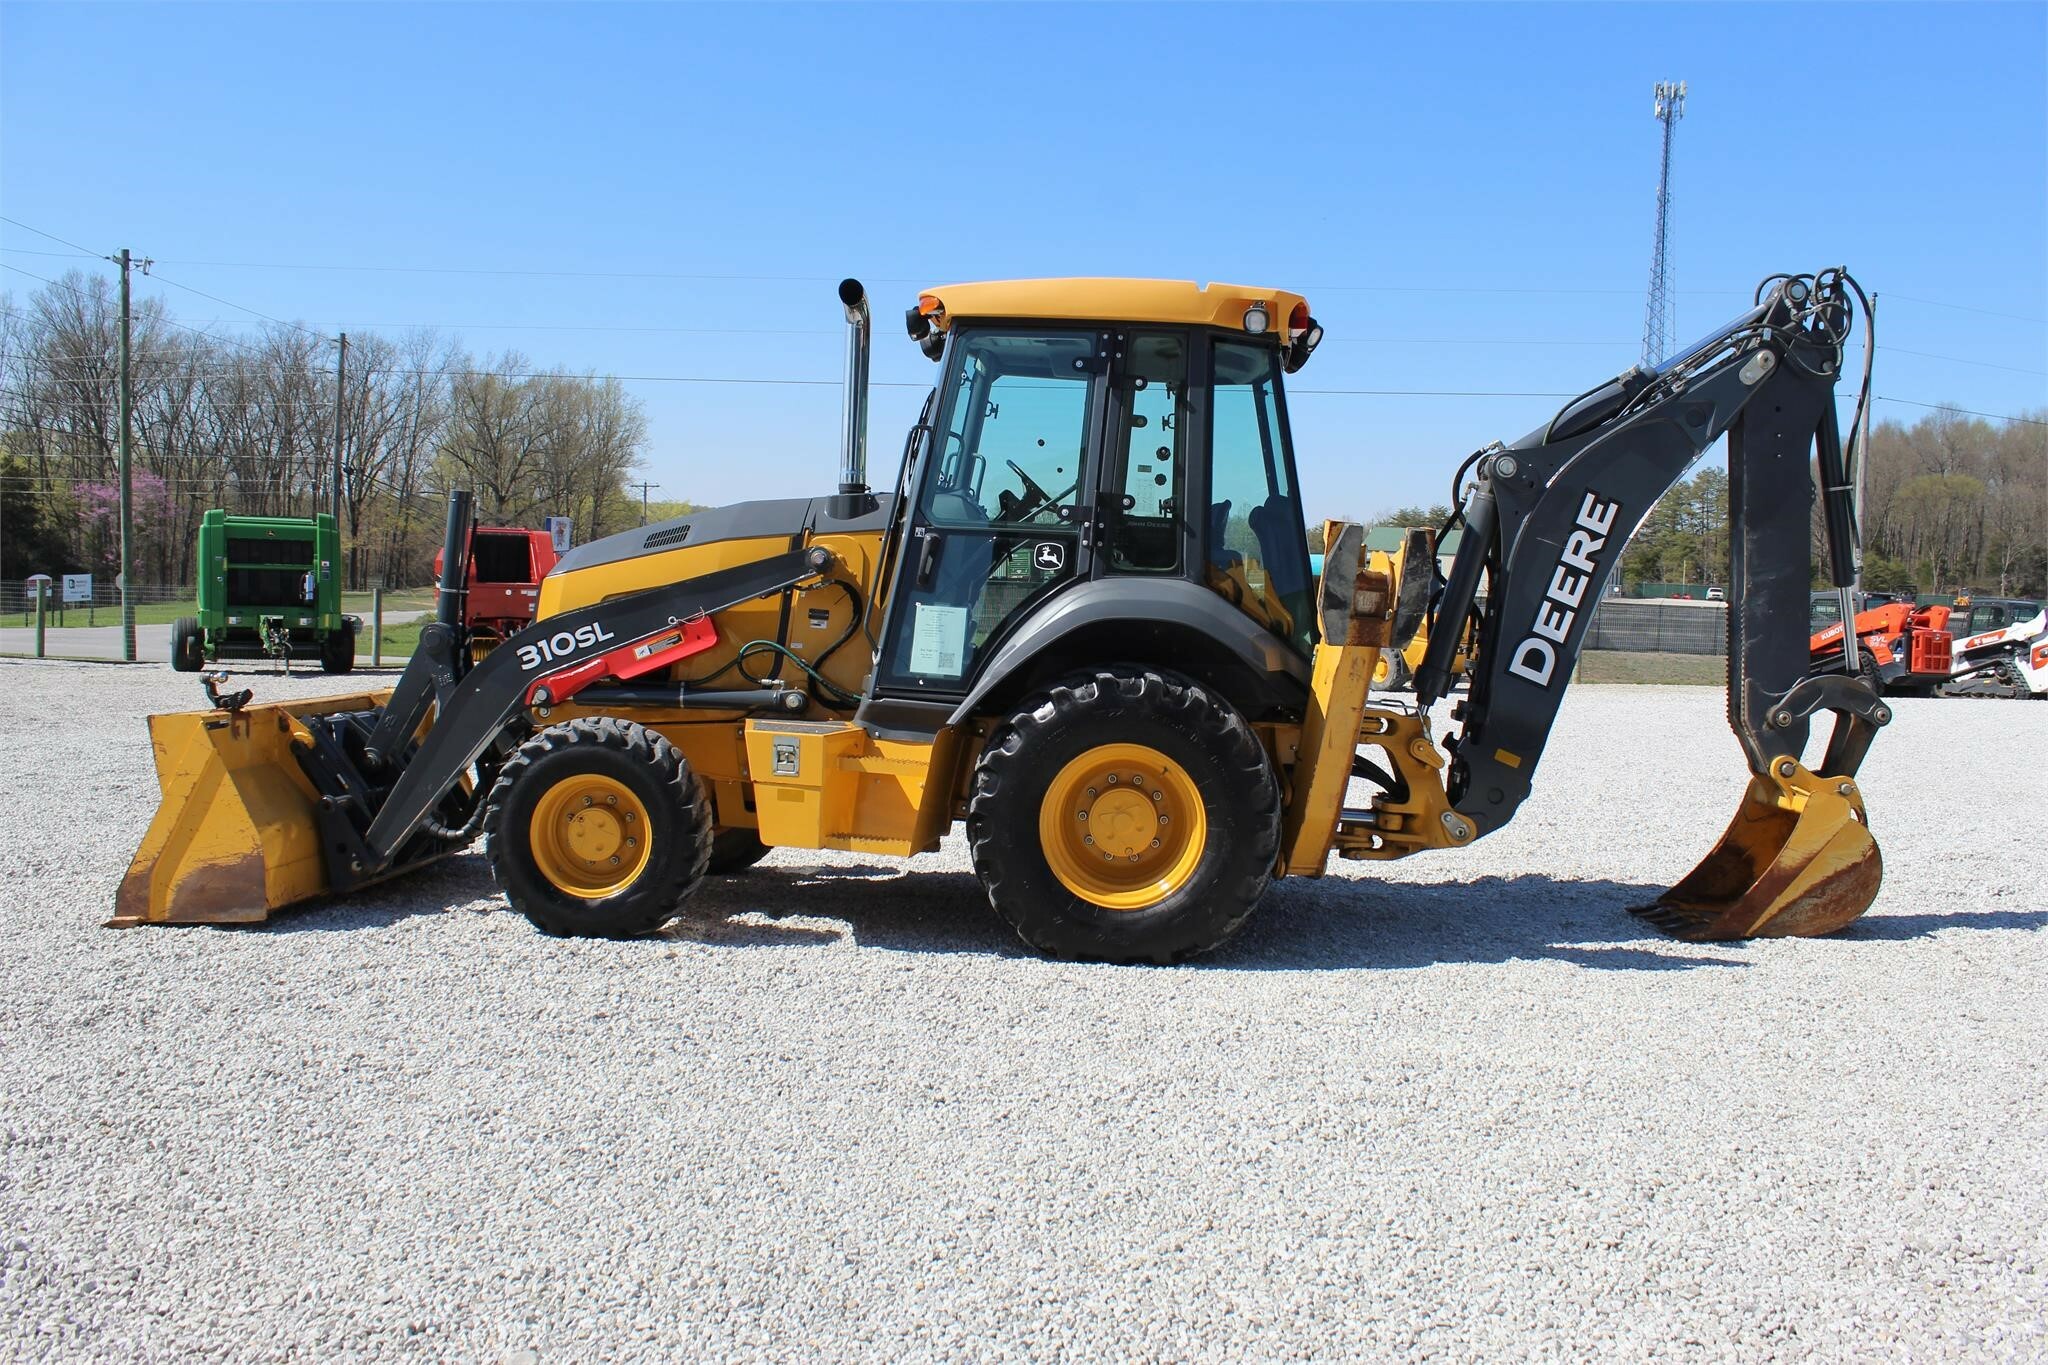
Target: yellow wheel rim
(589,836)
(1122,826)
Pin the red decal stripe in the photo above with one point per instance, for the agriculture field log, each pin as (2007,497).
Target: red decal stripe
(656,650)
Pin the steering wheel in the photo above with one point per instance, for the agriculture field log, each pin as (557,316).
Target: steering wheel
(1034,496)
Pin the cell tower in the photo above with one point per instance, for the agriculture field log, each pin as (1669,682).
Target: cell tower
(1660,327)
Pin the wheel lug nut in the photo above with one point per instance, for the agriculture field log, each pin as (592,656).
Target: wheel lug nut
(1082,814)
(1158,796)
(1111,779)
(1091,791)
(1087,838)
(611,800)
(1155,843)
(1162,819)
(615,862)
(587,801)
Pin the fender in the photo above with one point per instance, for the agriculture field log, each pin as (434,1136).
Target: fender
(1161,607)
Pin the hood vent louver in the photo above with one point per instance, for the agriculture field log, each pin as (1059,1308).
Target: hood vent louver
(666,536)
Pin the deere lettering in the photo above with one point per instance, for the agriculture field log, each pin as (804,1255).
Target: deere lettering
(1576,570)
(561,643)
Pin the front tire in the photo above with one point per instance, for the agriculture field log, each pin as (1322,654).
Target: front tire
(598,829)
(1127,816)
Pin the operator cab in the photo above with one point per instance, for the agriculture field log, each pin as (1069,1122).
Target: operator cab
(1088,431)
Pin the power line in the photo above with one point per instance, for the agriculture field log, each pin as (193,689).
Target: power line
(906,384)
(1964,307)
(1433,393)
(160,279)
(58,255)
(62,241)
(168,322)
(1959,360)
(915,283)
(922,282)
(1972,412)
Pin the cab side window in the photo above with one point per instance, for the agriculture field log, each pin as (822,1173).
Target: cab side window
(1257,546)
(1151,454)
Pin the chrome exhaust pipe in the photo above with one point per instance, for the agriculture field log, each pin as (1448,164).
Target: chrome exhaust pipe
(853,436)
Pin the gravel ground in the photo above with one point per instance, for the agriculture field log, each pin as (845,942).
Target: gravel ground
(1459,1106)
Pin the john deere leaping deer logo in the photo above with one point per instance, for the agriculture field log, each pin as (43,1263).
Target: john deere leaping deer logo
(1049,555)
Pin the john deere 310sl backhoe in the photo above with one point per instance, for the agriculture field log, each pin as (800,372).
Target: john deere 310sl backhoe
(1083,623)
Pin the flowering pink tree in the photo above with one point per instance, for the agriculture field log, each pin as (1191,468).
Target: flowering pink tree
(99,507)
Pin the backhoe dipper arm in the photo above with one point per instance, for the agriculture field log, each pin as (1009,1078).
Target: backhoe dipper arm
(1549,516)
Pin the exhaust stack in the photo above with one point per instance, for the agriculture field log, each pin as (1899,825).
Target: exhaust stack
(853,496)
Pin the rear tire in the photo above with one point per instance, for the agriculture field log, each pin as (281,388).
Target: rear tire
(735,850)
(597,828)
(338,651)
(1177,785)
(188,645)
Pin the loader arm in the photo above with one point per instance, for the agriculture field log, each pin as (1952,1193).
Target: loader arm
(533,669)
(270,805)
(1546,521)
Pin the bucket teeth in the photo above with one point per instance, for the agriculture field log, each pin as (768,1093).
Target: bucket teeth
(1798,860)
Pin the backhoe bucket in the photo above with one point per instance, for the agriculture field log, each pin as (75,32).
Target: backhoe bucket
(237,833)
(1797,861)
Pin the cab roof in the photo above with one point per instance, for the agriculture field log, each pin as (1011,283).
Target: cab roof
(1180,302)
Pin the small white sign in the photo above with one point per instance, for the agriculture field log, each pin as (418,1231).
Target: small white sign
(938,641)
(558,531)
(78,587)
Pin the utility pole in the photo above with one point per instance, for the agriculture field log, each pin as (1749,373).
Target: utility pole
(340,410)
(643,487)
(127,404)
(1658,328)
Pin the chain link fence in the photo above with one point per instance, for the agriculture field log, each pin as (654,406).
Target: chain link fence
(1659,626)
(18,602)
(1628,624)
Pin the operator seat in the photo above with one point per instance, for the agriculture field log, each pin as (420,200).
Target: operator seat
(966,552)
(1286,565)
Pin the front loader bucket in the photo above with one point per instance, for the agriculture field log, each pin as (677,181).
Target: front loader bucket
(237,833)
(1797,860)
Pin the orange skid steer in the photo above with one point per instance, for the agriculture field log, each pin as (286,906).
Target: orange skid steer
(1079,623)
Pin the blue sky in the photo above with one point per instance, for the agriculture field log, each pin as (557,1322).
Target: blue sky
(1465,193)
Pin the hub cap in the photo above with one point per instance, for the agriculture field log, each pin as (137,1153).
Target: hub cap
(589,836)
(1122,826)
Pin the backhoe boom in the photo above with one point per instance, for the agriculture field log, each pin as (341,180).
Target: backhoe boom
(1549,515)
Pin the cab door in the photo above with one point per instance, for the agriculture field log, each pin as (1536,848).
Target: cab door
(997,523)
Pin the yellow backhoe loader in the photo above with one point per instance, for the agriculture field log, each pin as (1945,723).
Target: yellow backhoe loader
(1081,622)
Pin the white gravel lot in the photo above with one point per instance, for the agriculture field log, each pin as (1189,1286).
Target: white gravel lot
(1461,1106)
